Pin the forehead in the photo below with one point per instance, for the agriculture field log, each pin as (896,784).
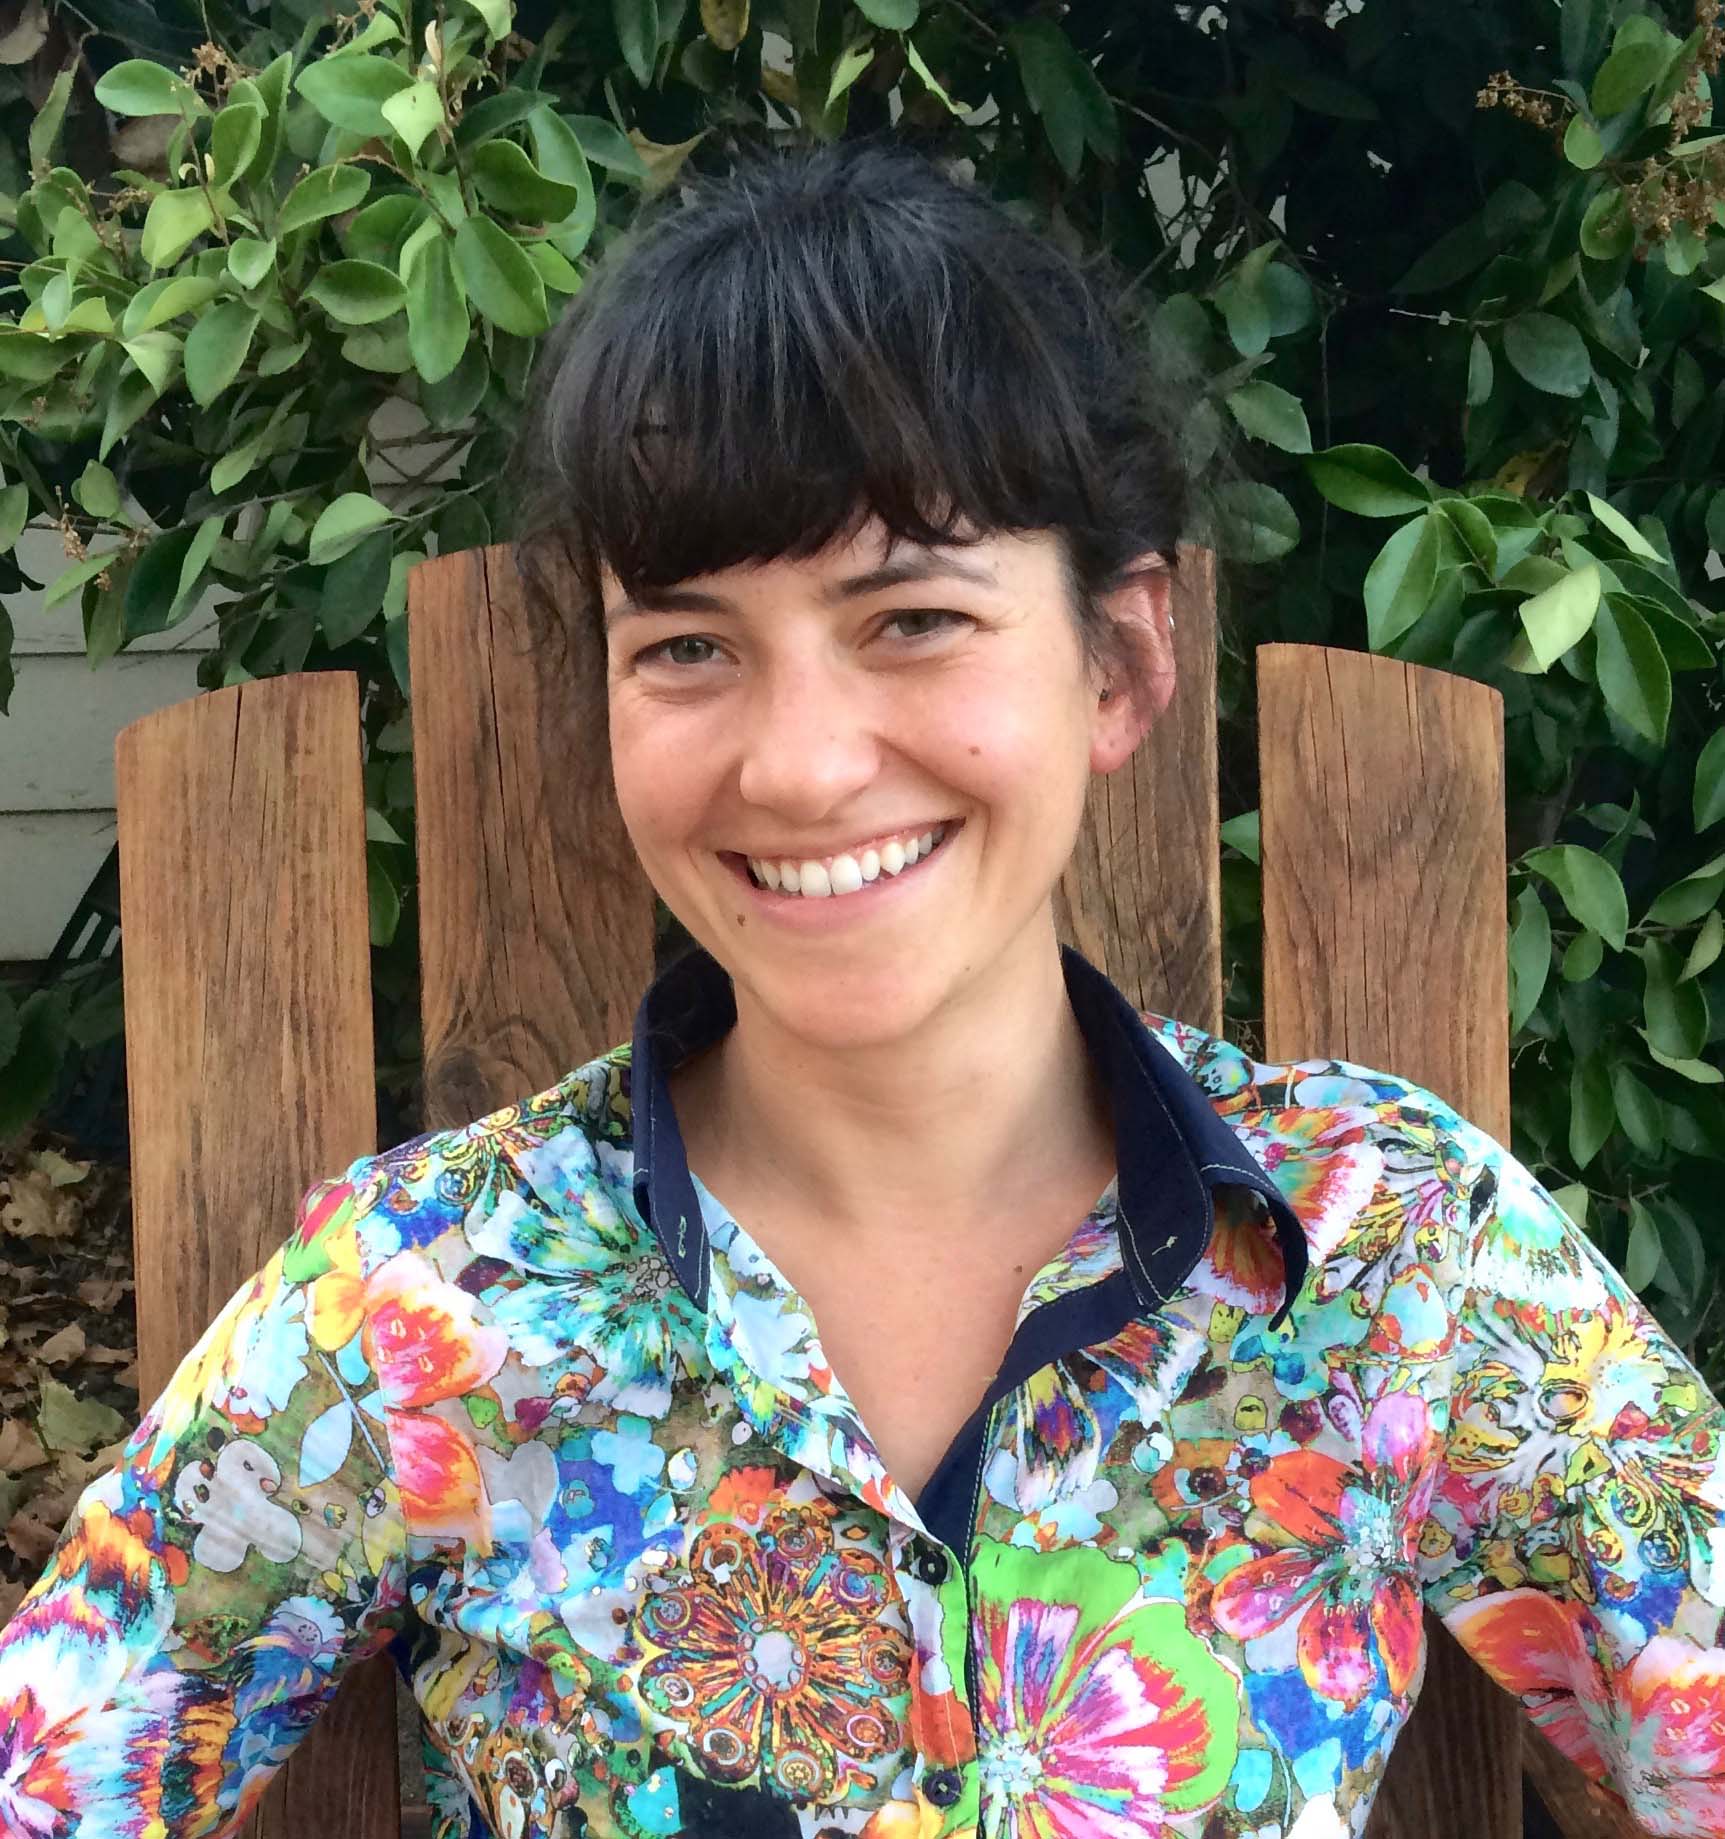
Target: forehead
(848,569)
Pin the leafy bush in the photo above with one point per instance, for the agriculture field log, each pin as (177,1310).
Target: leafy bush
(1457,276)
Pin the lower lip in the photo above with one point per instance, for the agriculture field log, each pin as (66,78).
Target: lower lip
(805,914)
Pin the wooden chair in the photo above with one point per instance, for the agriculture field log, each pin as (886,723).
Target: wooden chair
(248,1014)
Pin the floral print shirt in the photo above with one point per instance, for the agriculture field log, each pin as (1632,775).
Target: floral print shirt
(522,1401)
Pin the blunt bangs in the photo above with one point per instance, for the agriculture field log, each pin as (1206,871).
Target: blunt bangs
(823,336)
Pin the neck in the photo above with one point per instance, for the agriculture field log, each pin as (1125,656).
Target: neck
(993,1103)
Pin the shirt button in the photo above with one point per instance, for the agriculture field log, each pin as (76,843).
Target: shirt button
(943,1788)
(930,1564)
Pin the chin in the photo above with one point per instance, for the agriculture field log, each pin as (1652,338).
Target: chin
(853,1007)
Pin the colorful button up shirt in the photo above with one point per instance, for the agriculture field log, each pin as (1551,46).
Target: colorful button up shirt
(524,1402)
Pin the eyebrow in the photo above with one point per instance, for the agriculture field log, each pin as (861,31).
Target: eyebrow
(913,565)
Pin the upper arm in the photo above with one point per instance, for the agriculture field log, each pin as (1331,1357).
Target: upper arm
(210,1589)
(1576,1544)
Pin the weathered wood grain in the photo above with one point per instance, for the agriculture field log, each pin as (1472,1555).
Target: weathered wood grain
(1142,896)
(536,922)
(1577,1808)
(249,1067)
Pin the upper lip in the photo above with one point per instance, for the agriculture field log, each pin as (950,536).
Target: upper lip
(804,852)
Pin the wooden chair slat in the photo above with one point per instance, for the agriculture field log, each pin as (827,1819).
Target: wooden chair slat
(1383,846)
(250,1072)
(536,922)
(1143,895)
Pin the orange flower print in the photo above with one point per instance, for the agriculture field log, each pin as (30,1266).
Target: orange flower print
(745,1495)
(36,1799)
(1660,1743)
(442,1491)
(1346,1544)
(420,1336)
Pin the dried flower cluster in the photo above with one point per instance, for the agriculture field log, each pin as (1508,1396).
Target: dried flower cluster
(212,67)
(1666,191)
(1668,195)
(1538,106)
(1687,108)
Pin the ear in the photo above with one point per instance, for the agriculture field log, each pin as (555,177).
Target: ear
(1140,611)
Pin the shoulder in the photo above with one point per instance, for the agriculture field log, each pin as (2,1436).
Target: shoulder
(1354,1147)
(555,1153)
(1235,1081)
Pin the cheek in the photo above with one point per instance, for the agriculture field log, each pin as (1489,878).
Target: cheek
(658,784)
(1009,736)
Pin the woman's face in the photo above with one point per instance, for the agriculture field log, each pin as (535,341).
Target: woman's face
(839,712)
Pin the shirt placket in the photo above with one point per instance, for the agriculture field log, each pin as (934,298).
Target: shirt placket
(813,1423)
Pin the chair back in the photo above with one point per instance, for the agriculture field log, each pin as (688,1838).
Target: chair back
(248,1016)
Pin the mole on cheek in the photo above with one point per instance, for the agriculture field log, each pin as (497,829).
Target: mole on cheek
(974,752)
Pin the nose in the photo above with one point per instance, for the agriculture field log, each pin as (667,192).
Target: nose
(811,743)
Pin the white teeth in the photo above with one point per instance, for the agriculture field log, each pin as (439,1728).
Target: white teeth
(845,874)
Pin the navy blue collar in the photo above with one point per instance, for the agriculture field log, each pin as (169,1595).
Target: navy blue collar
(1172,1149)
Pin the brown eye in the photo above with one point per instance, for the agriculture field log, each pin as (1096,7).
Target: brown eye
(677,651)
(938,620)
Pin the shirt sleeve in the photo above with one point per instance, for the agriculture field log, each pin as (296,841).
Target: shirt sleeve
(211,1589)
(1575,1542)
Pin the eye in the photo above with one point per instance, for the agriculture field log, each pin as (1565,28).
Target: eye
(676,652)
(928,621)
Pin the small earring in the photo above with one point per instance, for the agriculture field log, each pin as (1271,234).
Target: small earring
(1105,695)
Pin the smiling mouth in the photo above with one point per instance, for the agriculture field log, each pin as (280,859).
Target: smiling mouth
(847,873)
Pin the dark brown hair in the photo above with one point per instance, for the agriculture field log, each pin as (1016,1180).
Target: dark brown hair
(820,334)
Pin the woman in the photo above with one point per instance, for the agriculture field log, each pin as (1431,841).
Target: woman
(1154,1391)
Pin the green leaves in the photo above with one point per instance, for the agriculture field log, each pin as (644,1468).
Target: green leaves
(1588,886)
(509,182)
(415,113)
(350,91)
(138,87)
(1632,670)
(175,221)
(1549,353)
(1687,900)
(437,322)
(1255,523)
(1271,414)
(499,278)
(1529,957)
(1399,582)
(1063,91)
(326,192)
(1709,799)
(357,293)
(345,524)
(637,23)
(235,137)
(1556,619)
(1638,59)
(1367,480)
(1607,231)
(1675,1013)
(216,349)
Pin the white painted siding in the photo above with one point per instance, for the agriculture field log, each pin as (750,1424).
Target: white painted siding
(57,749)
